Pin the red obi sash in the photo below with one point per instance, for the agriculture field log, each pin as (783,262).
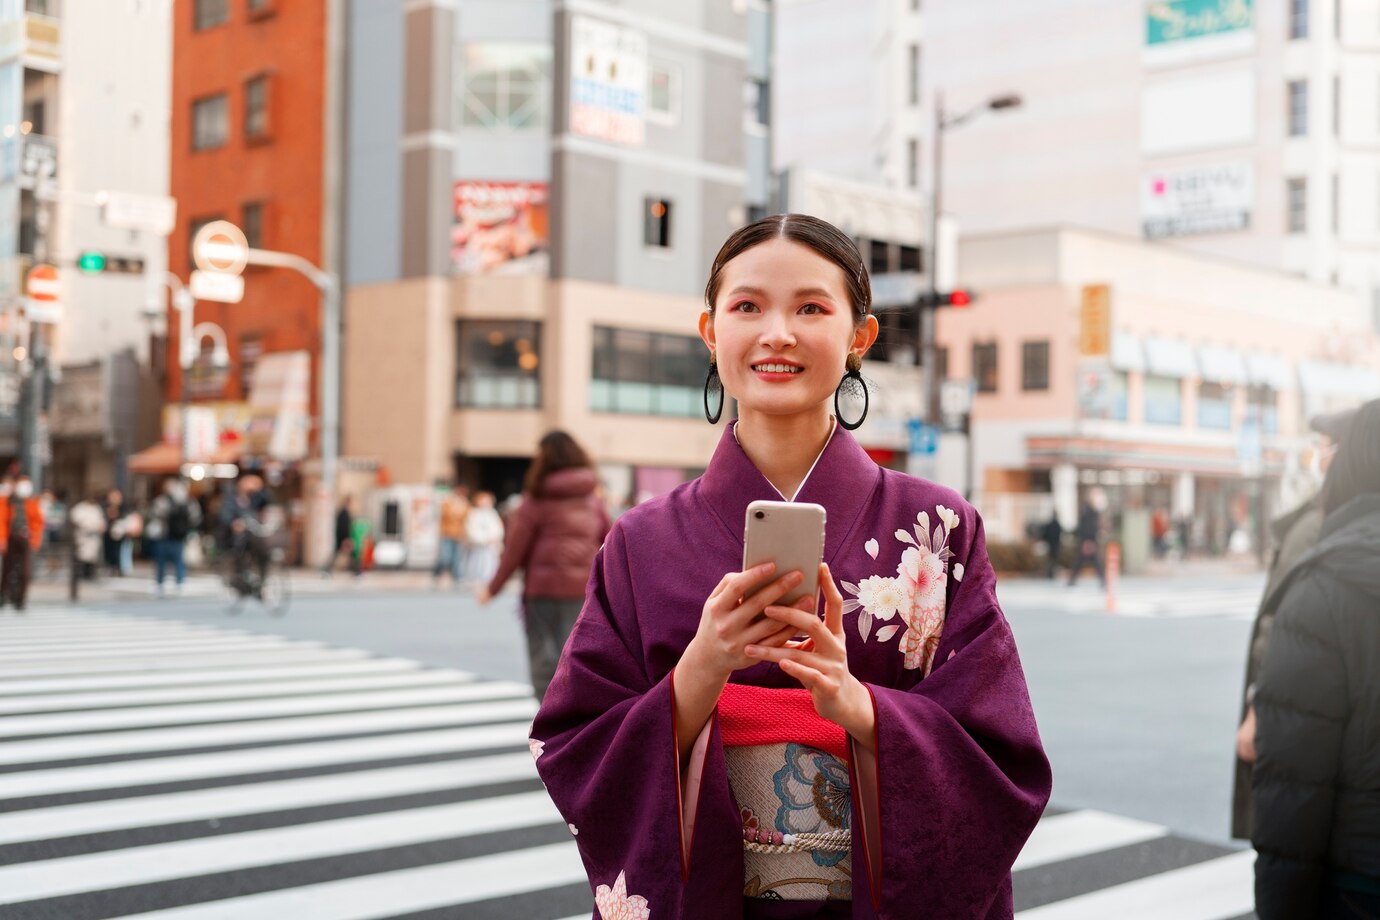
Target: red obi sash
(751,716)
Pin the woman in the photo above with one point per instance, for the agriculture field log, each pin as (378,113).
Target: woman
(553,536)
(711,765)
(1316,781)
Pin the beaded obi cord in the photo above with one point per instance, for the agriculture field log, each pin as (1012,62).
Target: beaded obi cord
(788,769)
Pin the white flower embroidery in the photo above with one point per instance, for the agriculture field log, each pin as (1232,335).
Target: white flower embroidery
(536,747)
(616,904)
(948,516)
(574,831)
(882,597)
(872,547)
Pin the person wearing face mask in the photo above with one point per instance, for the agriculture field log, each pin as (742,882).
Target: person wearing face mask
(1294,534)
(21,533)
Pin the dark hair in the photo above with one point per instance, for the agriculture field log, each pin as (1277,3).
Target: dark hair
(1355,468)
(556,451)
(821,236)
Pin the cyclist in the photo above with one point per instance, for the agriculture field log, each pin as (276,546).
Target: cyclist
(242,533)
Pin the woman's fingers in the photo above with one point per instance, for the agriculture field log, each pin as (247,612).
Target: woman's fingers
(833,601)
(768,632)
(735,583)
(810,659)
(770,594)
(801,621)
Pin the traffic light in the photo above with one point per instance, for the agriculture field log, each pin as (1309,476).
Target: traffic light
(958,297)
(95,263)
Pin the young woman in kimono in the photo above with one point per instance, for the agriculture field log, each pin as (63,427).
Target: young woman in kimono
(718,757)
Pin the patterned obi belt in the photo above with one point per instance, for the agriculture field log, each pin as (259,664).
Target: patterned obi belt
(788,769)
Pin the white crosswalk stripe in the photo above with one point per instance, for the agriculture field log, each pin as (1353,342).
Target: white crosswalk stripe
(1143,598)
(344,787)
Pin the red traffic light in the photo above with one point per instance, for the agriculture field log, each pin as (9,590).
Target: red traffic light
(960,298)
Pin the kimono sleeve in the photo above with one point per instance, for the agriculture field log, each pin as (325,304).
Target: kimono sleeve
(962,775)
(604,742)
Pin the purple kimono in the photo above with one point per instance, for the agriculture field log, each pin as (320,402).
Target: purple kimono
(959,779)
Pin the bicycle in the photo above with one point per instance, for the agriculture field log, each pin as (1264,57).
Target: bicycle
(254,567)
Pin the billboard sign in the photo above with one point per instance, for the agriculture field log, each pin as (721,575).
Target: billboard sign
(1198,199)
(500,227)
(608,81)
(1184,30)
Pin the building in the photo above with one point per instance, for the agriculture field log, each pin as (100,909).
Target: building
(528,241)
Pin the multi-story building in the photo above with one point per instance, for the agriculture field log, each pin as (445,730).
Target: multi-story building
(528,241)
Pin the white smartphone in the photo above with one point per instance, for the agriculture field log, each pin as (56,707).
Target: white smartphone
(791,534)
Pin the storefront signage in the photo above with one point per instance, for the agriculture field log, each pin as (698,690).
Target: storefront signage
(500,227)
(608,81)
(1168,21)
(1199,199)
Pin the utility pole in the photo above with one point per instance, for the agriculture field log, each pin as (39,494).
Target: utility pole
(33,433)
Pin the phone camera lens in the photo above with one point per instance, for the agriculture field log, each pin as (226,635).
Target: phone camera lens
(760,515)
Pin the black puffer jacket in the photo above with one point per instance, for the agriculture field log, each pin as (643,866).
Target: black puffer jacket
(1316,784)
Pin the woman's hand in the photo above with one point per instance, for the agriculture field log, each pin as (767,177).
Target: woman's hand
(1245,737)
(728,624)
(820,663)
(482,595)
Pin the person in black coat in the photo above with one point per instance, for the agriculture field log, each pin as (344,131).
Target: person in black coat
(1086,539)
(1316,782)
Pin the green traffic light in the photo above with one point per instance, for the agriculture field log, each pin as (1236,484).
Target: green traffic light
(92,262)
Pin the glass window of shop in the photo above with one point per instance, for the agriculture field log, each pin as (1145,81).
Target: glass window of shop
(504,85)
(985,366)
(1262,407)
(1214,406)
(647,373)
(498,364)
(1120,406)
(1163,400)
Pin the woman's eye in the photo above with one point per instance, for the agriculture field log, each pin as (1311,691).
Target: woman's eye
(811,309)
(746,306)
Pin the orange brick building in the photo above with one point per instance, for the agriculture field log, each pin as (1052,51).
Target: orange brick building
(248,93)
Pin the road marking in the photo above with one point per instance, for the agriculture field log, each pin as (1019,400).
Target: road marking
(146,650)
(1212,890)
(177,663)
(203,676)
(262,798)
(1081,833)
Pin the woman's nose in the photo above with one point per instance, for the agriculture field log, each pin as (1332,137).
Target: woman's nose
(777,333)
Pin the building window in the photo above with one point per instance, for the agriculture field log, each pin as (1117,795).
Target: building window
(647,373)
(260,8)
(1337,106)
(498,364)
(913,162)
(1298,108)
(210,13)
(251,349)
(1120,403)
(504,85)
(756,103)
(1214,406)
(210,122)
(1163,400)
(878,257)
(1336,203)
(656,223)
(193,228)
(985,367)
(252,223)
(1035,366)
(941,363)
(909,260)
(1262,408)
(1337,19)
(663,93)
(1297,203)
(1298,18)
(913,81)
(256,123)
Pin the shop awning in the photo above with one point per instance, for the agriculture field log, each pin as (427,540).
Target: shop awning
(1222,365)
(1127,352)
(1271,371)
(1325,378)
(166,459)
(1170,358)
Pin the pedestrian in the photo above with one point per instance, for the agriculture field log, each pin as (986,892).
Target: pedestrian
(552,536)
(344,523)
(1295,533)
(483,538)
(116,535)
(1087,537)
(88,522)
(1316,782)
(21,533)
(1053,536)
(361,548)
(1159,532)
(172,518)
(450,556)
(712,766)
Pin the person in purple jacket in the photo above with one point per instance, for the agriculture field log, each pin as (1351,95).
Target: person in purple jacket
(871,753)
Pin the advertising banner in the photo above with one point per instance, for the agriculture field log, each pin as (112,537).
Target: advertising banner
(1183,30)
(1199,199)
(500,227)
(608,81)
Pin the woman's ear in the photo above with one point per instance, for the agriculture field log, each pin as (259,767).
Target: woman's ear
(707,329)
(865,335)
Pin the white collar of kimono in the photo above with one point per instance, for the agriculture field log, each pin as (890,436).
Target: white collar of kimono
(833,424)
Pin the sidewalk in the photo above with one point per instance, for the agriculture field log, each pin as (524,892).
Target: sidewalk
(1166,569)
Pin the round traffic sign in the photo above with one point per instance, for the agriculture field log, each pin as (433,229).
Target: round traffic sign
(42,283)
(220,246)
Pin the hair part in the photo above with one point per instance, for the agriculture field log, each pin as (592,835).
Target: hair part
(556,451)
(1355,469)
(821,236)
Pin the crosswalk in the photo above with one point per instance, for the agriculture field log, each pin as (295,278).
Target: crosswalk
(166,771)
(1140,597)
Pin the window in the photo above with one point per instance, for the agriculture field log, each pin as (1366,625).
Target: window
(1214,406)
(252,223)
(193,228)
(663,93)
(1298,108)
(913,81)
(1337,106)
(941,362)
(1298,18)
(910,258)
(985,367)
(1163,400)
(1035,366)
(260,8)
(1296,201)
(878,257)
(504,85)
(1262,408)
(256,123)
(647,373)
(210,122)
(210,13)
(1337,19)
(1336,203)
(656,222)
(251,349)
(912,162)
(756,103)
(498,364)
(1120,403)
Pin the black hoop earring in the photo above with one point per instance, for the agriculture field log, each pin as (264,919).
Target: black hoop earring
(711,382)
(852,382)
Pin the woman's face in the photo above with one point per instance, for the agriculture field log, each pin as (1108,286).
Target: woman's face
(782,329)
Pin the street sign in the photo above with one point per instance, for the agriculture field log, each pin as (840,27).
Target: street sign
(218,286)
(42,283)
(94,263)
(956,397)
(1095,321)
(220,246)
(43,311)
(155,213)
(924,439)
